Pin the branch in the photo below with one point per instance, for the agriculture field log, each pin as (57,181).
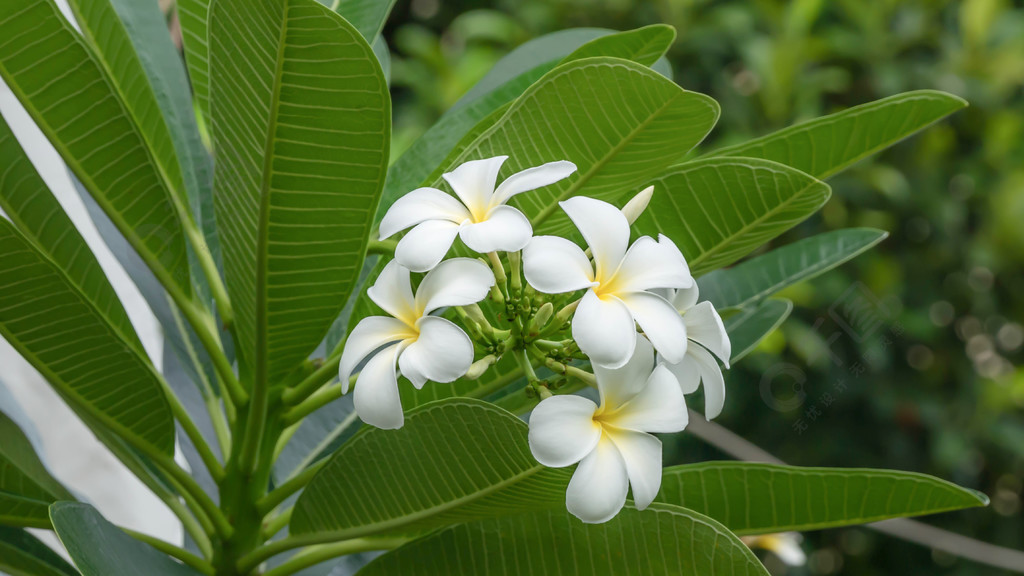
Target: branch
(317,554)
(186,557)
(903,528)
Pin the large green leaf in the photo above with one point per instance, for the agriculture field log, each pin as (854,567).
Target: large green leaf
(760,277)
(754,498)
(301,130)
(27,201)
(479,108)
(749,326)
(61,83)
(98,548)
(67,339)
(26,488)
(827,145)
(367,16)
(618,121)
(720,209)
(453,460)
(193,15)
(22,554)
(659,540)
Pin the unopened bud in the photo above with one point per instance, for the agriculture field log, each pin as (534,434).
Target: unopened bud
(540,319)
(636,206)
(478,368)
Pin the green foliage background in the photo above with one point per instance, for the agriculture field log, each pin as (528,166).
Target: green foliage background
(937,385)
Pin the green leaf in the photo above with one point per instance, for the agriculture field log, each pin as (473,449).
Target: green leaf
(760,277)
(38,215)
(367,16)
(754,498)
(65,89)
(718,210)
(747,328)
(22,554)
(453,461)
(194,15)
(302,131)
(659,540)
(644,45)
(58,330)
(99,548)
(487,101)
(26,488)
(619,122)
(131,42)
(827,145)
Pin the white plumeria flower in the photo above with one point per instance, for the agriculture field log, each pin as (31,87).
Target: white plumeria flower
(617,284)
(483,218)
(424,347)
(707,335)
(785,545)
(612,442)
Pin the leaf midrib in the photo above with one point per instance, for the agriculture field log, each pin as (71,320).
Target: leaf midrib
(798,195)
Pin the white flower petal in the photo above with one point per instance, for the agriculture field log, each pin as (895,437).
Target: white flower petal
(376,397)
(787,547)
(455,282)
(442,353)
(506,230)
(418,206)
(598,488)
(711,376)
(704,326)
(426,244)
(605,229)
(659,407)
(531,179)
(687,372)
(642,455)
(619,385)
(604,330)
(392,291)
(473,182)
(555,265)
(563,431)
(684,298)
(649,264)
(369,334)
(660,322)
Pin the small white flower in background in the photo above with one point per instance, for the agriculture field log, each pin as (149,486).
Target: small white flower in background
(612,442)
(483,218)
(785,545)
(424,347)
(707,335)
(618,283)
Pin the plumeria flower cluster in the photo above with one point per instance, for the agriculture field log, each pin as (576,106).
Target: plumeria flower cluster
(620,317)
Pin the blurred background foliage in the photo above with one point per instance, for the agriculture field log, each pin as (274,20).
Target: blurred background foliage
(909,357)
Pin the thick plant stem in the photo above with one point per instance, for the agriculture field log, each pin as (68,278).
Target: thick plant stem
(317,554)
(186,557)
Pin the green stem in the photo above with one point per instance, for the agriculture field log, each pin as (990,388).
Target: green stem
(291,486)
(209,267)
(202,324)
(220,425)
(277,523)
(190,524)
(582,375)
(526,365)
(317,554)
(316,401)
(324,374)
(386,247)
(186,557)
(500,280)
(497,384)
(193,433)
(189,488)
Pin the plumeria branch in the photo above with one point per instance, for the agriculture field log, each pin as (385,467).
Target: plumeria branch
(316,554)
(186,557)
